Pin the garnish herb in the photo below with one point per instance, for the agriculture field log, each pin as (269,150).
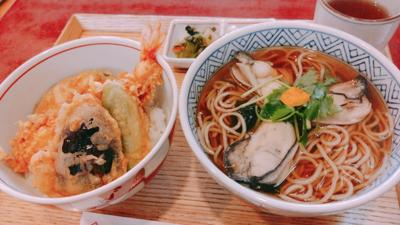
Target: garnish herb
(319,105)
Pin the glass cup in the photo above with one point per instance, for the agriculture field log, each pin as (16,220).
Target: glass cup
(376,32)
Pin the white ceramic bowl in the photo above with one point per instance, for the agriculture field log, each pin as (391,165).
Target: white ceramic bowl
(364,58)
(23,88)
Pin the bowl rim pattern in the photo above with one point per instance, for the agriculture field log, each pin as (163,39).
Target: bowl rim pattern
(257,198)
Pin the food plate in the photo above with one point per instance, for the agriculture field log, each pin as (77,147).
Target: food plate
(182,192)
(197,97)
(176,34)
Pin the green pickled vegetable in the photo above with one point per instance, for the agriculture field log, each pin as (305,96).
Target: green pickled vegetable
(193,44)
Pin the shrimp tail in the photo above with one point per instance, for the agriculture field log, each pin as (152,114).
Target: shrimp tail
(151,39)
(147,75)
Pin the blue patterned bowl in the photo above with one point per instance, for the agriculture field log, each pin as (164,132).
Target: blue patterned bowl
(364,58)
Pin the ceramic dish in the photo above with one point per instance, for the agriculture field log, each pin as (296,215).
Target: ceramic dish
(364,58)
(23,88)
(176,33)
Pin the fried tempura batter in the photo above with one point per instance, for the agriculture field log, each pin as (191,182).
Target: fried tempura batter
(71,144)
(88,146)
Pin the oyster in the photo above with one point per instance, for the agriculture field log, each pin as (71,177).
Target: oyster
(251,73)
(265,158)
(350,97)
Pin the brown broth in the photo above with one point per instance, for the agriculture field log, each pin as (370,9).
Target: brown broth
(342,71)
(361,9)
(281,59)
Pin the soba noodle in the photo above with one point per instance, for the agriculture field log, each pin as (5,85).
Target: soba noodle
(336,162)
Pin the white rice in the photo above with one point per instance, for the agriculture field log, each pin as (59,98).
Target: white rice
(157,124)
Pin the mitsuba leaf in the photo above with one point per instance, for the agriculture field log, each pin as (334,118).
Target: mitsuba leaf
(274,97)
(307,81)
(304,138)
(329,80)
(280,112)
(312,110)
(327,107)
(302,129)
(274,108)
(319,92)
(320,104)
(268,110)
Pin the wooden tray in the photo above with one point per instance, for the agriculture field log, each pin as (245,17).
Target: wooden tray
(182,192)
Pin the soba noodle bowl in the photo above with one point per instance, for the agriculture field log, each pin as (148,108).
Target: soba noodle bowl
(263,120)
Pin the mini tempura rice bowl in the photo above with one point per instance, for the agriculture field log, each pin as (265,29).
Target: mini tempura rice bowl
(366,60)
(23,88)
